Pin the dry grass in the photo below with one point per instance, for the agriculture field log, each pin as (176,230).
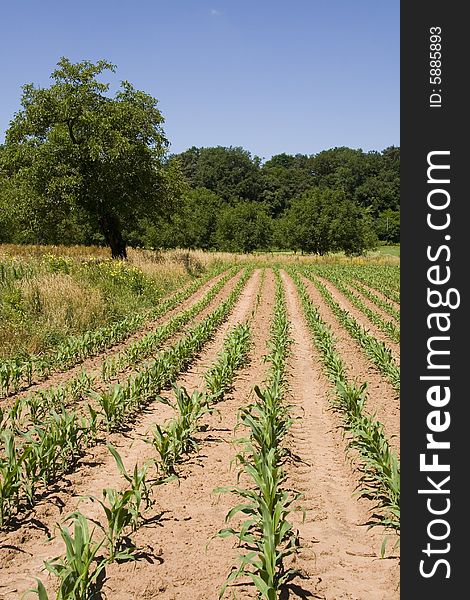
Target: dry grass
(62,301)
(37,251)
(54,306)
(146,259)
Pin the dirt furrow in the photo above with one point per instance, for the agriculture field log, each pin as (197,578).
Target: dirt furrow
(340,559)
(360,317)
(382,399)
(98,471)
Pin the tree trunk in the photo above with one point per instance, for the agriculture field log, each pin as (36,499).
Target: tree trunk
(111,229)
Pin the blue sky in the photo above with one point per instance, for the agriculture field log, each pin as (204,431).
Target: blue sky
(273,76)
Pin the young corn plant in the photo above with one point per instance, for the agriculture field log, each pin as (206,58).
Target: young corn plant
(177,438)
(118,508)
(163,440)
(112,403)
(139,486)
(380,470)
(10,477)
(266,528)
(79,570)
(190,409)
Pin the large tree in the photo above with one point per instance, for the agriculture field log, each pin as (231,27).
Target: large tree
(80,151)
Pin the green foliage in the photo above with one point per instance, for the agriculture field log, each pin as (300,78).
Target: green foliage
(48,189)
(85,156)
(10,476)
(325,220)
(191,225)
(119,510)
(228,172)
(388,226)
(244,227)
(75,571)
(284,178)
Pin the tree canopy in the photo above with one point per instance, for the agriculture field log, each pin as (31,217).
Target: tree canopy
(82,154)
(229,172)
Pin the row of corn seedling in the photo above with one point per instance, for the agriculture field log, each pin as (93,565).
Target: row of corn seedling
(218,378)
(123,399)
(266,532)
(27,462)
(376,350)
(354,276)
(21,370)
(384,278)
(35,408)
(38,457)
(385,305)
(77,577)
(146,345)
(37,405)
(380,466)
(176,438)
(388,327)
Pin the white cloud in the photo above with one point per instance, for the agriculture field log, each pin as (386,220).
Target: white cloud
(215,12)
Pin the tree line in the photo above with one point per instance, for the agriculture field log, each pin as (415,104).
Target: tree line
(79,166)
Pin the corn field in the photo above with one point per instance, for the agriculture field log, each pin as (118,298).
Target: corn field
(226,427)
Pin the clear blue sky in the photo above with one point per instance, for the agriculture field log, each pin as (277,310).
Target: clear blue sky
(273,76)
